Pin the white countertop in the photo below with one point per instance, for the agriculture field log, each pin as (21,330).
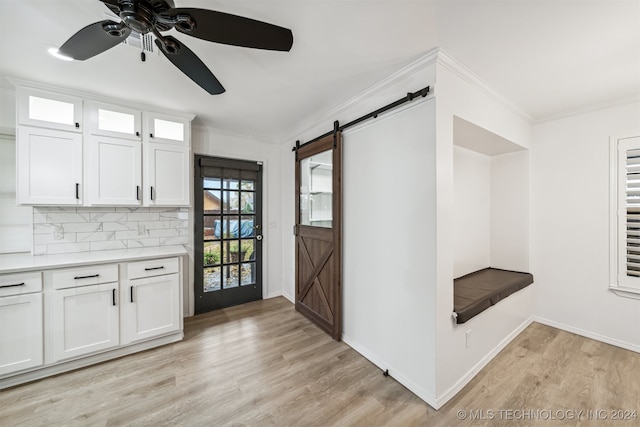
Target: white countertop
(13,263)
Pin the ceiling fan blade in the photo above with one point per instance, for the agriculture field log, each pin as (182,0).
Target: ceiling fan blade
(190,64)
(94,39)
(234,30)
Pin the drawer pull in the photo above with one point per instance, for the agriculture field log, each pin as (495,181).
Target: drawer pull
(13,286)
(86,277)
(154,268)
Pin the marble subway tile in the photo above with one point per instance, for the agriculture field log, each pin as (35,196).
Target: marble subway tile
(109,245)
(65,248)
(154,225)
(141,243)
(167,232)
(45,239)
(181,240)
(82,227)
(143,216)
(119,226)
(131,209)
(99,236)
(96,209)
(108,216)
(68,217)
(130,234)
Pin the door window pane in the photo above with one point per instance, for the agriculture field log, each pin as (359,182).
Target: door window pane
(231,201)
(212,183)
(316,190)
(247,202)
(212,255)
(248,250)
(116,122)
(247,273)
(50,110)
(212,279)
(247,185)
(211,202)
(247,227)
(230,276)
(168,130)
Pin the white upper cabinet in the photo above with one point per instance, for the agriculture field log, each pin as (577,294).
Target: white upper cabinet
(166,128)
(166,175)
(114,120)
(115,171)
(50,110)
(49,167)
(124,155)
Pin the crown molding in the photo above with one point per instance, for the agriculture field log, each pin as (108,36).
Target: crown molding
(587,109)
(476,81)
(329,116)
(219,131)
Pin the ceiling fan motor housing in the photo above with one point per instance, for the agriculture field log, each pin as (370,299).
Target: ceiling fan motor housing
(140,15)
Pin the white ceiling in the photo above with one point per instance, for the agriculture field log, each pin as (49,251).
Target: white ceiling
(546,56)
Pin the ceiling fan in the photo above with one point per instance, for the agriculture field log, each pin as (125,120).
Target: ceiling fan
(144,16)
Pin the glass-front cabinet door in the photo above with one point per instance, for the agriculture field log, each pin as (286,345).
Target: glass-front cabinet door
(164,128)
(50,110)
(114,121)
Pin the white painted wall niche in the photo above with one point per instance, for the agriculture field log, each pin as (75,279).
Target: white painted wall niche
(490,200)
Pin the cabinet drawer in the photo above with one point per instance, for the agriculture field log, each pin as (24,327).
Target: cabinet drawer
(20,283)
(152,267)
(82,276)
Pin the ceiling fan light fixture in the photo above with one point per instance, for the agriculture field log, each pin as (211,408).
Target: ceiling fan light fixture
(53,51)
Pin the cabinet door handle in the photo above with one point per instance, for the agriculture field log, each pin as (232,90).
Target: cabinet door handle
(150,135)
(137,192)
(154,268)
(86,277)
(77,191)
(12,286)
(152,193)
(77,125)
(137,133)
(113,295)
(131,292)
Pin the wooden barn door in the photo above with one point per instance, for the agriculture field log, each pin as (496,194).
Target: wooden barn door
(318,231)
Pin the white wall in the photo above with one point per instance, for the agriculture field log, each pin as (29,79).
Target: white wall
(471,211)
(510,211)
(389,250)
(570,225)
(459,94)
(214,143)
(7,111)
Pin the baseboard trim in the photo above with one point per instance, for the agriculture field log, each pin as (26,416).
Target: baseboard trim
(58,368)
(393,372)
(587,334)
(459,385)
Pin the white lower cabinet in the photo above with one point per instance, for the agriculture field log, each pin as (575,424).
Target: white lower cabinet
(83,320)
(151,308)
(20,332)
(65,318)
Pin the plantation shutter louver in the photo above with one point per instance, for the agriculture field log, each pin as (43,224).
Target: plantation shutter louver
(629,212)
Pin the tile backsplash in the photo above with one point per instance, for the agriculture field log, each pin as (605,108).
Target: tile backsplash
(59,230)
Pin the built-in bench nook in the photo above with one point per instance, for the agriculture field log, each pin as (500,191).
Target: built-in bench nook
(491,205)
(477,291)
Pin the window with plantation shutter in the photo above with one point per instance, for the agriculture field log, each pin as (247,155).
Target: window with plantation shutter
(628,214)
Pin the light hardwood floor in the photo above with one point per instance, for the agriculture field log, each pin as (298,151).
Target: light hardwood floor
(263,364)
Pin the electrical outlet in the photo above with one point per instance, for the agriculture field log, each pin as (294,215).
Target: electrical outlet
(467,338)
(58,233)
